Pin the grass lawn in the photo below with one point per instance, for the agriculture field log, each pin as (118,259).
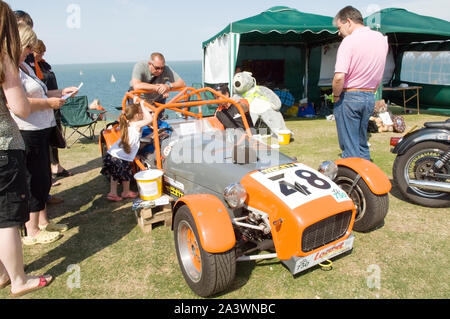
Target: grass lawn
(105,254)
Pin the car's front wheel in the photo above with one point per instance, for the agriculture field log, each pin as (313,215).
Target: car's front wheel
(371,209)
(206,273)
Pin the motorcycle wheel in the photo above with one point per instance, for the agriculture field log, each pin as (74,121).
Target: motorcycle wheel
(205,273)
(371,209)
(414,164)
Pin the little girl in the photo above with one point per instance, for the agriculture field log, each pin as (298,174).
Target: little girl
(117,162)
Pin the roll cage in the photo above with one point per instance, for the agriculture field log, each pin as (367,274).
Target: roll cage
(181,103)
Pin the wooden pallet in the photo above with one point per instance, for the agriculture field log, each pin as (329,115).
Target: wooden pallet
(147,217)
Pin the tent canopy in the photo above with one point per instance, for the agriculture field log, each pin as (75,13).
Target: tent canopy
(403,27)
(274,28)
(293,43)
(283,25)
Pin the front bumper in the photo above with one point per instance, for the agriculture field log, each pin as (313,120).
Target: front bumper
(299,264)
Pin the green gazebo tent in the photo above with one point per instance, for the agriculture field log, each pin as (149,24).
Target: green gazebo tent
(422,54)
(288,47)
(404,27)
(278,38)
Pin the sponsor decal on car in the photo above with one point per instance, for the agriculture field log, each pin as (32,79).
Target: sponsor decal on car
(173,191)
(309,261)
(173,182)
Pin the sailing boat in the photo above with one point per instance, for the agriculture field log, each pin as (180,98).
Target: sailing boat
(113,79)
(81,72)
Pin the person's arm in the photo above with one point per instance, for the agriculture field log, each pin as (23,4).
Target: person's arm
(39,104)
(244,104)
(59,93)
(147,119)
(178,84)
(343,58)
(338,85)
(174,82)
(15,95)
(139,85)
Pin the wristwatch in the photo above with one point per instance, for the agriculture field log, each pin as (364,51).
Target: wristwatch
(169,84)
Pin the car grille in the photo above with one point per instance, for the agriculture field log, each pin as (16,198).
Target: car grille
(326,231)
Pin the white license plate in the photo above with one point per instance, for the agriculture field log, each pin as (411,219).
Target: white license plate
(303,263)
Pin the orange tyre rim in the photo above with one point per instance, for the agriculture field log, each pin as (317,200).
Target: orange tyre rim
(189,250)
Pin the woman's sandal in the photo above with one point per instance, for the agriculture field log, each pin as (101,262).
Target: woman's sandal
(53,227)
(63,173)
(113,198)
(42,283)
(5,284)
(129,195)
(43,237)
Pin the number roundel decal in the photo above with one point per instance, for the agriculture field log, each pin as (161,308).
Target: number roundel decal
(312,179)
(296,184)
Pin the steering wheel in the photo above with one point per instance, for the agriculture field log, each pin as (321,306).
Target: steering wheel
(150,138)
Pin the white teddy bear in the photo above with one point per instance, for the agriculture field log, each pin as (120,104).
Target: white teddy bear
(263,102)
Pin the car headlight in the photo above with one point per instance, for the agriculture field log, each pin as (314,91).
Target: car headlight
(235,195)
(329,169)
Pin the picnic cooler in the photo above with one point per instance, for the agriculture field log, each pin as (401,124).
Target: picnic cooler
(149,184)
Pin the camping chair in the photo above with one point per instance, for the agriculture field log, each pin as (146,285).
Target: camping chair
(74,114)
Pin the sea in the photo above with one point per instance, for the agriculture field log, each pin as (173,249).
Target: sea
(108,82)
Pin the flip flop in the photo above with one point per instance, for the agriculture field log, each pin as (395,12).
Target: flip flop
(64,173)
(5,284)
(113,198)
(42,283)
(130,195)
(56,183)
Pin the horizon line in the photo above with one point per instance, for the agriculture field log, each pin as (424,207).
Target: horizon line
(78,63)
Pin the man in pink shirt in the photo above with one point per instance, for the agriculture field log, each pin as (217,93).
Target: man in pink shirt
(359,68)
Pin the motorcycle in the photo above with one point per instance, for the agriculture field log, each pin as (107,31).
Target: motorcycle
(421,170)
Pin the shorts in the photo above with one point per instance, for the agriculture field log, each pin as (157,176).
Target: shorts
(38,166)
(117,168)
(14,193)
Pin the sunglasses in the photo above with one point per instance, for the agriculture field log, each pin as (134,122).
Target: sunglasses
(20,13)
(157,68)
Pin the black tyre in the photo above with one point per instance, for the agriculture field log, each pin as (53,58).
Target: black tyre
(371,209)
(206,274)
(414,164)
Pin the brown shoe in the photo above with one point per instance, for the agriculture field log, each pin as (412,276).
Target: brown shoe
(54,200)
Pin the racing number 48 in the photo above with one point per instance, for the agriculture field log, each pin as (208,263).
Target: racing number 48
(313,180)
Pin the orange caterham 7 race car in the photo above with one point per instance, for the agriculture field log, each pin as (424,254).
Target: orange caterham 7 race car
(236,197)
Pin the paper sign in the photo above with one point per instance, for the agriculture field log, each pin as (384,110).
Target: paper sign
(65,97)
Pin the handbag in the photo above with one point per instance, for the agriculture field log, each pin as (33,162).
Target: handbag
(56,138)
(399,124)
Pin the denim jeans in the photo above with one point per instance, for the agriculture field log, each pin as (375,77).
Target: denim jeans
(352,114)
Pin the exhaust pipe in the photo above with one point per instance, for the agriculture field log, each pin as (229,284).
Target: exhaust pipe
(430,185)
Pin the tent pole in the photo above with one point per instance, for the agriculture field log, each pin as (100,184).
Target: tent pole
(305,91)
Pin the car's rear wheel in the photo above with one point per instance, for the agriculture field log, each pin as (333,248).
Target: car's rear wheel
(371,209)
(206,273)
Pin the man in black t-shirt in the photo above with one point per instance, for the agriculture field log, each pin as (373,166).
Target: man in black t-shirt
(229,115)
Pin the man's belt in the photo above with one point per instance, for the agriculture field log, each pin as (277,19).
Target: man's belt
(361,90)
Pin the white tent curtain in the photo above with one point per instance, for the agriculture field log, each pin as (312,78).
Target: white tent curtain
(220,59)
(328,61)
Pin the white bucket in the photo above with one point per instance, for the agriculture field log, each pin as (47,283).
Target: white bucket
(284,137)
(149,184)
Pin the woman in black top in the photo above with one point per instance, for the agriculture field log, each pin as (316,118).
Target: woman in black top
(45,73)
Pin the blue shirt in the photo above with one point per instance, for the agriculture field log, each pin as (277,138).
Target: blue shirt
(146,130)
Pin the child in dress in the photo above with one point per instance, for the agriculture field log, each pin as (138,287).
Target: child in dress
(117,162)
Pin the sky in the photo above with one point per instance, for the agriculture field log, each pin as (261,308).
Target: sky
(103,31)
